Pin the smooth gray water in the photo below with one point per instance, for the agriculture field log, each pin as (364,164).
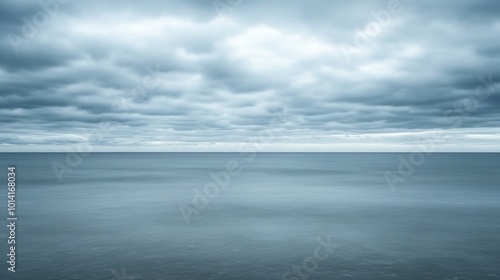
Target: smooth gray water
(119,211)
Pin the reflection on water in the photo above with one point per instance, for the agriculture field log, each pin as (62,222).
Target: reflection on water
(118,215)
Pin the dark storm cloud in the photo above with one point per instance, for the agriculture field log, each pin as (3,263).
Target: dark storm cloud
(185,75)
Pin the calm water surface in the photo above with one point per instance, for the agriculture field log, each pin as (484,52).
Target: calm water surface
(117,216)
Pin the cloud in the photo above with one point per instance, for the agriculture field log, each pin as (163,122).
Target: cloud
(189,77)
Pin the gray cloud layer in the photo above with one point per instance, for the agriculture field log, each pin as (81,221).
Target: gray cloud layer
(180,76)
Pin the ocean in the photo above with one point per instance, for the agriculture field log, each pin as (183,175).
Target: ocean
(263,216)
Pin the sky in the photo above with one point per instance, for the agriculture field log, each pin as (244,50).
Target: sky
(230,75)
